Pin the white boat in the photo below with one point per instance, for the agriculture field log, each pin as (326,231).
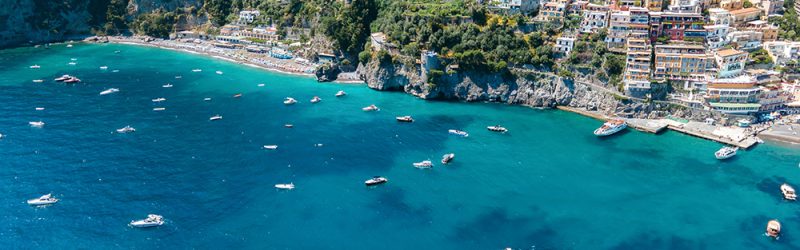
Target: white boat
(271,147)
(447,158)
(725,153)
(178,77)
(458,132)
(73,59)
(423,164)
(69,45)
(126,129)
(288,125)
(773,228)
(497,128)
(219,72)
(207,99)
(152,220)
(43,200)
(38,80)
(72,63)
(260,85)
(39,108)
(166,85)
(340,93)
(610,127)
(237,95)
(159,109)
(35,66)
(216,117)
(2,135)
(115,71)
(371,108)
(404,118)
(72,80)
(104,67)
(316,99)
(788,192)
(376,180)
(287,186)
(63,78)
(38,124)
(109,91)
(289,101)
(197,70)
(160,99)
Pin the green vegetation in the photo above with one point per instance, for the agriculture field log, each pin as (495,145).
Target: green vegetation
(760,56)
(351,27)
(156,24)
(789,23)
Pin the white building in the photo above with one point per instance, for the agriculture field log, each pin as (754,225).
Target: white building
(782,52)
(730,62)
(564,44)
(248,16)
(515,6)
(595,17)
(745,39)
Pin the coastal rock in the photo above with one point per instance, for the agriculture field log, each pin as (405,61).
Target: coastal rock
(327,72)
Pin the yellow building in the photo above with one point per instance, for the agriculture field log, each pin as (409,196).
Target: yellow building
(681,62)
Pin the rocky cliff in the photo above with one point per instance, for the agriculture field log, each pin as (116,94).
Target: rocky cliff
(529,88)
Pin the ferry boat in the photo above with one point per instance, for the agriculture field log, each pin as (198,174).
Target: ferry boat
(237,95)
(216,117)
(152,220)
(159,109)
(611,127)
(166,85)
(404,118)
(126,129)
(72,80)
(197,70)
(104,67)
(289,101)
(109,91)
(35,66)
(160,99)
(376,180)
(38,81)
(340,93)
(219,72)
(725,153)
(788,192)
(271,147)
(423,164)
(316,99)
(458,132)
(447,158)
(287,186)
(38,124)
(371,108)
(773,228)
(43,200)
(497,128)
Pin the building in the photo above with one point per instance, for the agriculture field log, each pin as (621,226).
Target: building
(737,95)
(782,52)
(229,30)
(731,4)
(564,44)
(770,7)
(515,6)
(595,17)
(636,76)
(624,4)
(576,7)
(769,31)
(681,62)
(742,16)
(772,98)
(719,16)
(685,6)
(730,62)
(552,11)
(745,39)
(680,26)
(653,5)
(716,35)
(623,23)
(248,16)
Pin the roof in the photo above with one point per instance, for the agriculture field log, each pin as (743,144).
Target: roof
(745,11)
(729,52)
(734,105)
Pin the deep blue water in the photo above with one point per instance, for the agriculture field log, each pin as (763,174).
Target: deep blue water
(547,184)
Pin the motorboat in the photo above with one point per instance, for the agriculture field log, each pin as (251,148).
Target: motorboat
(126,129)
(39,108)
(289,101)
(117,51)
(38,124)
(207,99)
(159,109)
(197,70)
(271,147)
(35,66)
(497,128)
(166,85)
(340,93)
(287,186)
(237,95)
(38,80)
(152,220)
(316,99)
(371,108)
(72,80)
(43,200)
(63,78)
(260,85)
(104,67)
(788,192)
(423,164)
(73,59)
(288,125)
(178,77)
(216,117)
(458,132)
(610,127)
(160,99)
(219,72)
(725,153)
(72,63)
(404,118)
(109,91)
(69,45)
(376,180)
(447,158)
(773,228)
(115,71)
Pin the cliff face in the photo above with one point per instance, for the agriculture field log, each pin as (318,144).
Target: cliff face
(522,88)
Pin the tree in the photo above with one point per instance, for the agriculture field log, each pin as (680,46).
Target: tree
(218,10)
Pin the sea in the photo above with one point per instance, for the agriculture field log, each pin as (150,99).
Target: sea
(548,183)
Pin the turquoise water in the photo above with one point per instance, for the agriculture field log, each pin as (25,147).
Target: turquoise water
(547,184)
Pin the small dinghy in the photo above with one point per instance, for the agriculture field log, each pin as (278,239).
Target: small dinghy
(370,108)
(288,125)
(773,228)
(497,128)
(423,164)
(38,124)
(197,70)
(38,81)
(104,67)
(39,108)
(219,72)
(406,118)
(237,95)
(43,200)
(207,99)
(340,93)
(126,129)
(788,192)
(214,118)
(447,158)
(152,220)
(109,91)
(166,85)
(286,186)
(376,180)
(271,147)
(160,99)
(289,101)
(458,132)
(159,109)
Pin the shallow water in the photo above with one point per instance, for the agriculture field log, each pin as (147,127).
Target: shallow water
(547,184)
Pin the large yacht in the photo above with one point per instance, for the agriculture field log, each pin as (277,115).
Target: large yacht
(406,118)
(497,128)
(152,220)
(611,127)
(63,78)
(725,153)
(216,117)
(38,124)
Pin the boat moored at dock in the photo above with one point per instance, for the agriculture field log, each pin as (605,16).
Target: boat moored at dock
(725,153)
(611,127)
